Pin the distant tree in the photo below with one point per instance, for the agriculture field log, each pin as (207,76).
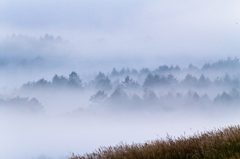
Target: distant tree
(223,64)
(118,97)
(123,71)
(74,81)
(171,79)
(42,83)
(190,80)
(129,83)
(234,94)
(223,98)
(227,79)
(162,69)
(22,104)
(206,66)
(17,101)
(193,96)
(114,72)
(59,81)
(177,68)
(28,86)
(102,82)
(150,97)
(99,97)
(192,68)
(35,105)
(144,71)
(134,72)
(229,82)
(154,80)
(203,81)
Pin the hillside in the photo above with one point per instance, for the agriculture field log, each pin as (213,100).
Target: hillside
(218,143)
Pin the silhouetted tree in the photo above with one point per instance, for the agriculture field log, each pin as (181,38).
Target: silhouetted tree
(114,72)
(100,96)
(134,72)
(118,97)
(154,80)
(171,79)
(150,97)
(22,104)
(234,94)
(144,71)
(102,82)
(129,83)
(192,68)
(223,64)
(223,98)
(74,81)
(59,81)
(203,81)
(190,80)
(42,83)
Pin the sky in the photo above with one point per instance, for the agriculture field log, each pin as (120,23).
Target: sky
(132,32)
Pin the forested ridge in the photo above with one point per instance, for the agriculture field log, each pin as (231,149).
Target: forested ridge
(163,87)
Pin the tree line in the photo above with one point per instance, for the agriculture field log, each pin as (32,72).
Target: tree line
(120,99)
(103,82)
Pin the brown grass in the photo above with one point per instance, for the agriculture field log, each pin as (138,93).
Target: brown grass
(215,144)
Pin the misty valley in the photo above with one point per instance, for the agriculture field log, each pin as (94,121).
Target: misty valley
(214,86)
(81,112)
(119,79)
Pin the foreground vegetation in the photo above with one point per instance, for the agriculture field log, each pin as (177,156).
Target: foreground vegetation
(215,144)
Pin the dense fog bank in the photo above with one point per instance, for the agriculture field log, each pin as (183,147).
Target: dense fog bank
(35,136)
(73,112)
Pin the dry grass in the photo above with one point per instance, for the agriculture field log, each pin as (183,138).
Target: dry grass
(215,144)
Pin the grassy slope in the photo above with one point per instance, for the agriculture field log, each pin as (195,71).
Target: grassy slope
(218,143)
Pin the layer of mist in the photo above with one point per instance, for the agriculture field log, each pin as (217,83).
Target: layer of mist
(77,75)
(50,118)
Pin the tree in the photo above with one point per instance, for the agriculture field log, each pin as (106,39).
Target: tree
(59,81)
(114,72)
(129,83)
(171,79)
(223,98)
(102,82)
(203,81)
(100,96)
(145,71)
(190,80)
(74,81)
(154,80)
(192,68)
(150,97)
(42,83)
(134,72)
(118,97)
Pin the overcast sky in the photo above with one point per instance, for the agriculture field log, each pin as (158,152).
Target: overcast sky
(136,29)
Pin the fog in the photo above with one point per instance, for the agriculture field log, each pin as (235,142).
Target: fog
(54,137)
(77,75)
(51,117)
